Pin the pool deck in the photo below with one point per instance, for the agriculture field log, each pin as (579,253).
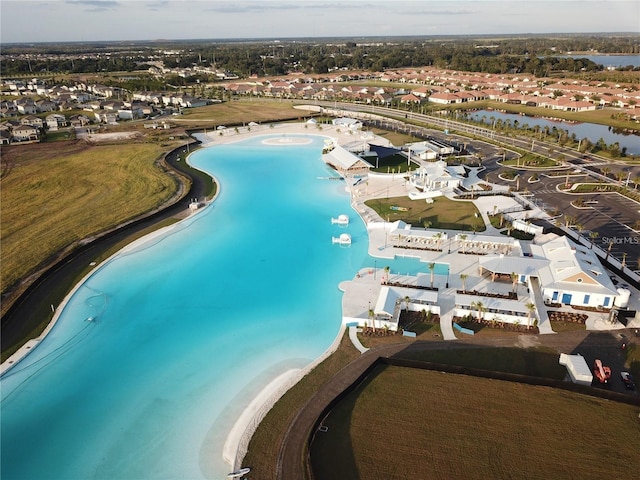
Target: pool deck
(362,291)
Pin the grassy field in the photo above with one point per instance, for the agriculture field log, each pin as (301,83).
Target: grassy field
(239,112)
(396,138)
(55,196)
(406,423)
(442,213)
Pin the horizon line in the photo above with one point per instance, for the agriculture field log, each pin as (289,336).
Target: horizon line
(314,38)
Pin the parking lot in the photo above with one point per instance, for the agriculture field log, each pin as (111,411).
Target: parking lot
(611,215)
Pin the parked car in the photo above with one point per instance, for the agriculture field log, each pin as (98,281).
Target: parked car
(628,381)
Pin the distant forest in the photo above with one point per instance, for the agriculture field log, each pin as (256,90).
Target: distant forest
(537,55)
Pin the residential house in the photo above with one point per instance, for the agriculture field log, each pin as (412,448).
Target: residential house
(46,106)
(445,98)
(26,107)
(5,137)
(110,118)
(25,133)
(79,121)
(32,120)
(410,99)
(56,121)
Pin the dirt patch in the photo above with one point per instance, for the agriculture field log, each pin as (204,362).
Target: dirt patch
(17,155)
(112,137)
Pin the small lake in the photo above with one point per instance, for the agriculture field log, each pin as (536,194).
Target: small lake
(614,61)
(592,131)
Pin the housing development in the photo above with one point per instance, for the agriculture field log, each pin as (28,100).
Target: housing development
(250,260)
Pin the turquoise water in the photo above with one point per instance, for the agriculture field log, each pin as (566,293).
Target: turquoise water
(188,326)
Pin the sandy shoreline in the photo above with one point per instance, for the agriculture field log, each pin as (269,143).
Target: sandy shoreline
(237,442)
(238,438)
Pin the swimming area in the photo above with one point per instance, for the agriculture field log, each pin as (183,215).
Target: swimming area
(161,349)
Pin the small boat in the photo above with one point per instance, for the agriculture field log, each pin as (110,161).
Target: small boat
(341,220)
(239,473)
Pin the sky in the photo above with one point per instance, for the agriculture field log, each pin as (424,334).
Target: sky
(30,21)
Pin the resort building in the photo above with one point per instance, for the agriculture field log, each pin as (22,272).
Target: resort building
(436,176)
(560,272)
(392,299)
(574,275)
(344,162)
(349,123)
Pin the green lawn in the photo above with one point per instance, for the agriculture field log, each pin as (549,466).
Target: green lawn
(405,423)
(529,160)
(442,213)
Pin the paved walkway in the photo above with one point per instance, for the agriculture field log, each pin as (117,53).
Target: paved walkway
(291,461)
(353,336)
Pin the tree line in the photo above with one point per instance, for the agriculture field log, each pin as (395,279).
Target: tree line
(536,55)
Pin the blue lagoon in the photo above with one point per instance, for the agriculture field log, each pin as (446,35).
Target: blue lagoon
(158,352)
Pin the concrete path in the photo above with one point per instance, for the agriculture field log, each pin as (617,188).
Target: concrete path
(353,336)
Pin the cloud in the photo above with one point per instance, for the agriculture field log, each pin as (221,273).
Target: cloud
(96,5)
(159,5)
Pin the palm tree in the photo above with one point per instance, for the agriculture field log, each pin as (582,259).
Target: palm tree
(432,267)
(407,300)
(514,281)
(463,277)
(509,228)
(386,273)
(608,250)
(463,240)
(593,235)
(479,306)
(372,319)
(530,309)
(438,237)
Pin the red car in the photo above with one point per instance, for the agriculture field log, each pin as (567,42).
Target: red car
(627,379)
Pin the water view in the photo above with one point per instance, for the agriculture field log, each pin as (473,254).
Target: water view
(592,131)
(158,352)
(614,61)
